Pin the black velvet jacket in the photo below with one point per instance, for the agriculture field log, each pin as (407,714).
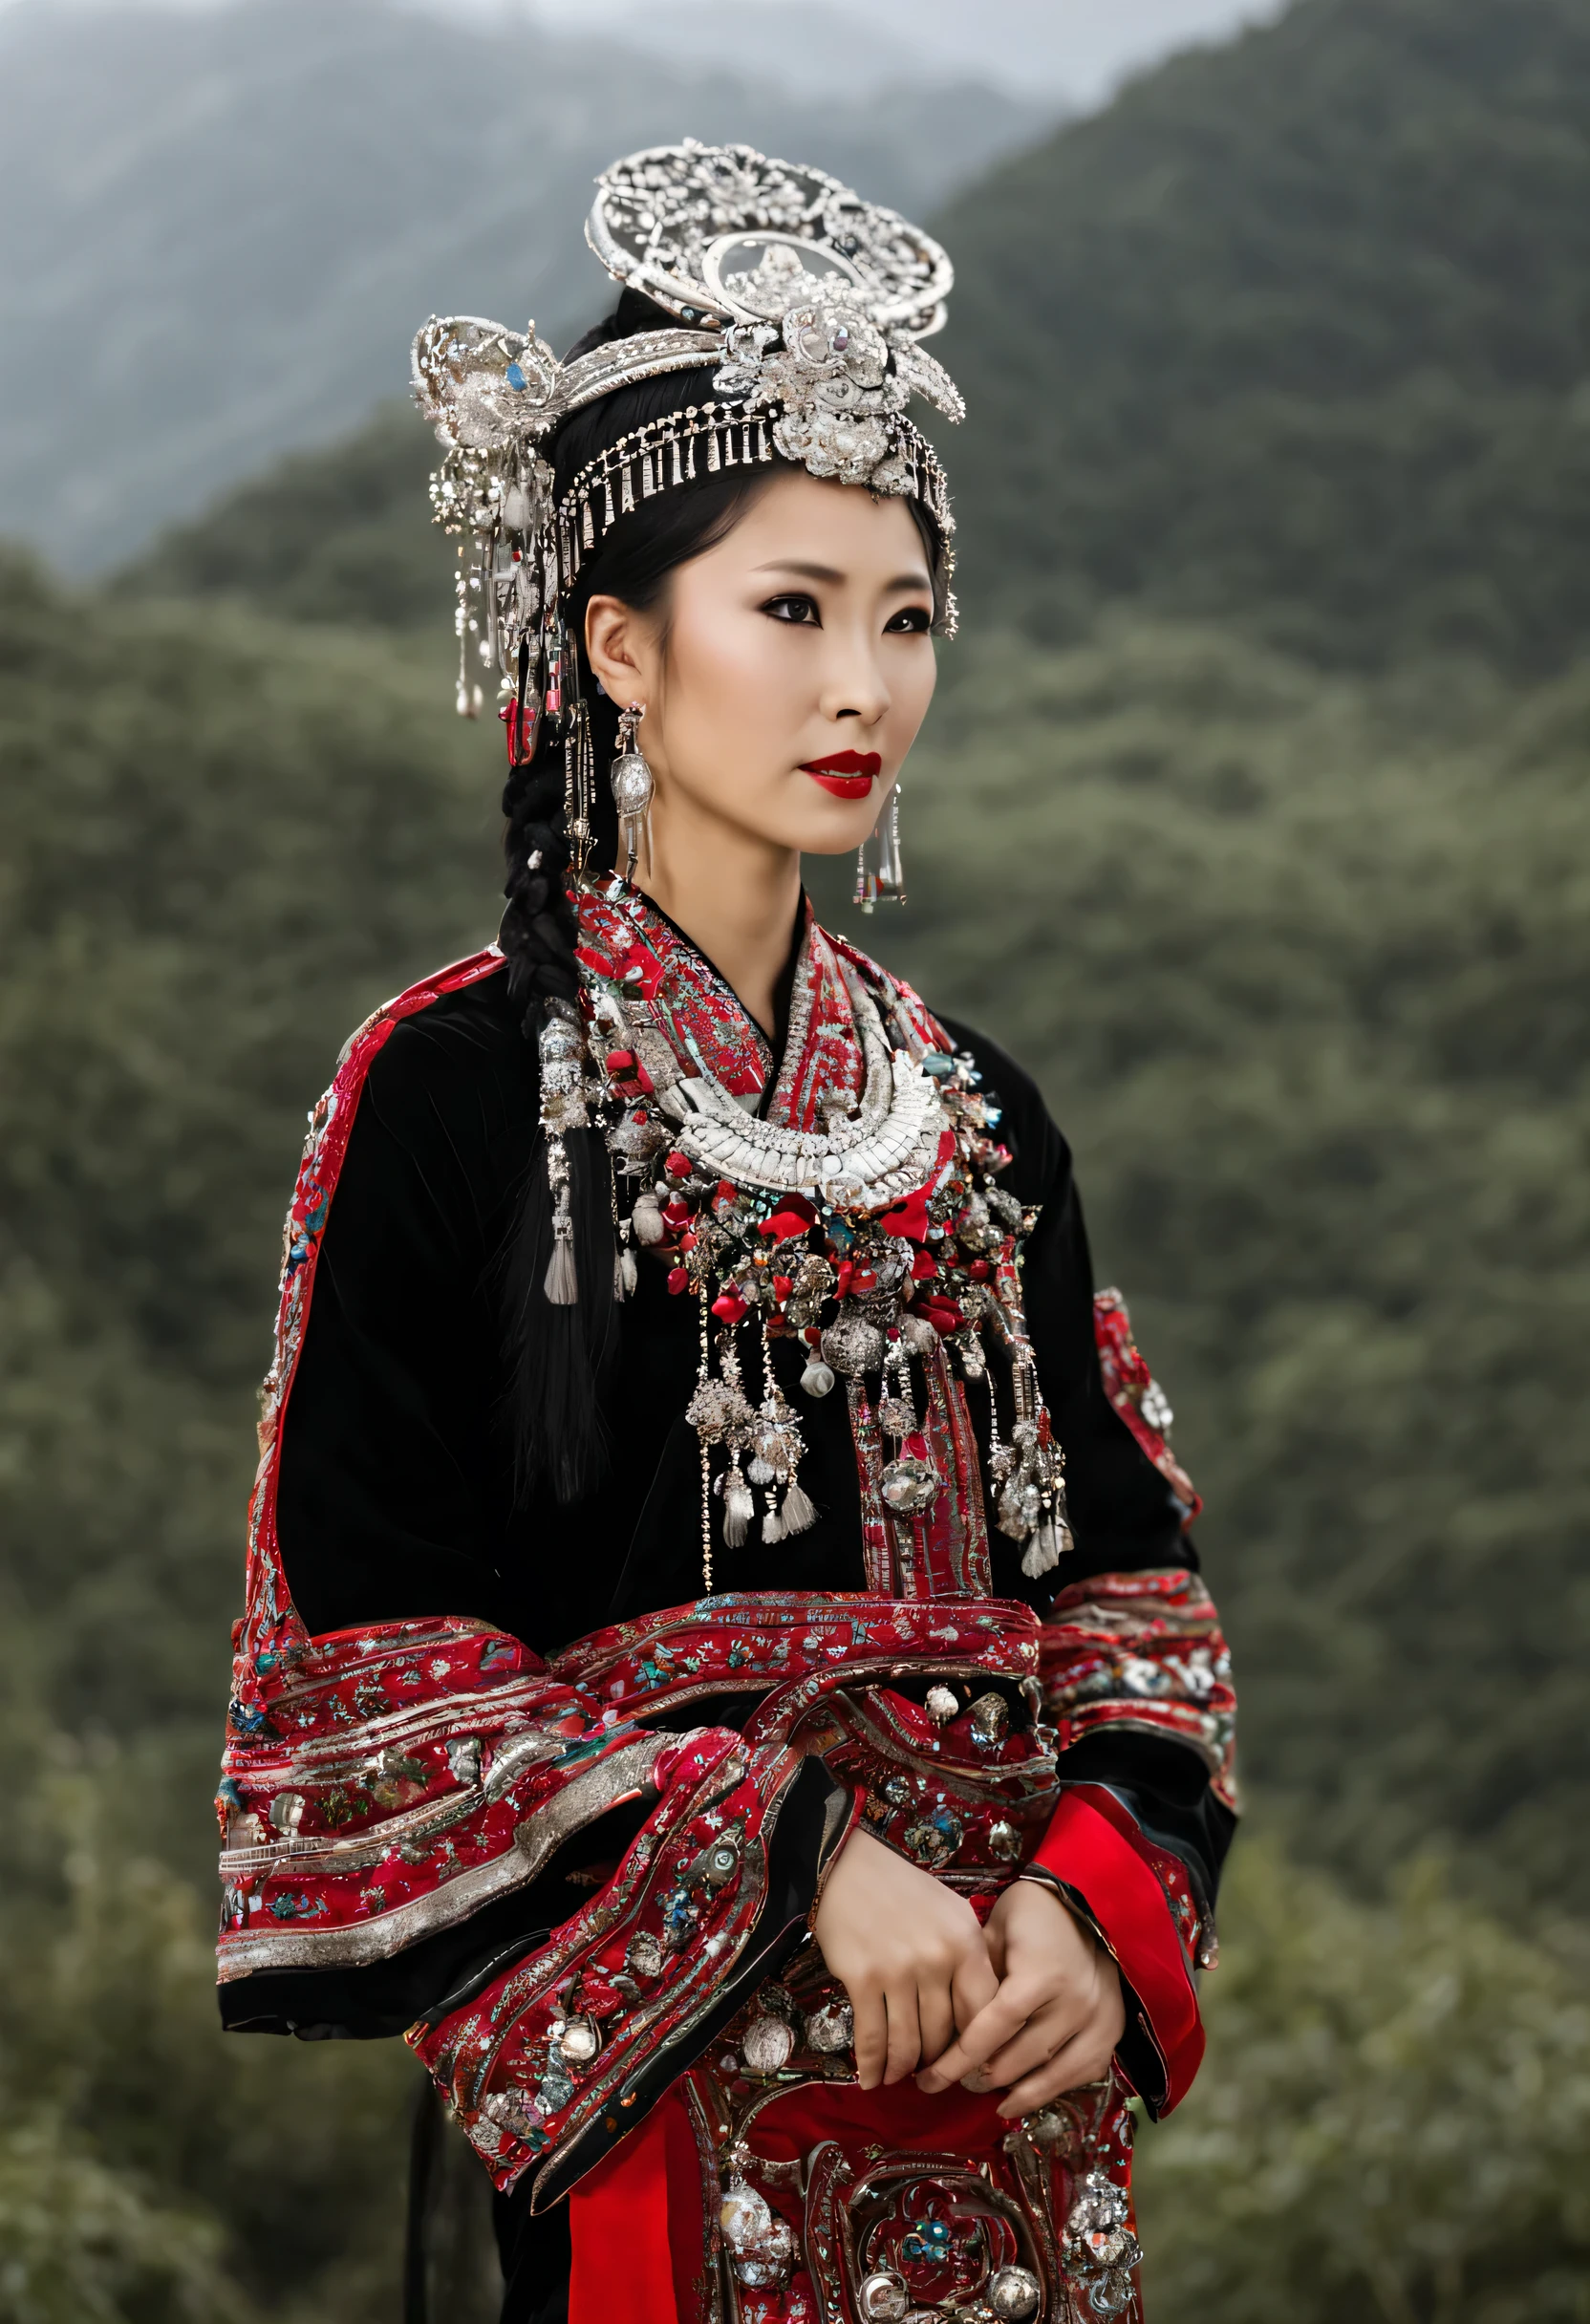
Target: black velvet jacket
(396,1494)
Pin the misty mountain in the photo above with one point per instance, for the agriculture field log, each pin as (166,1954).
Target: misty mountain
(1294,335)
(221,231)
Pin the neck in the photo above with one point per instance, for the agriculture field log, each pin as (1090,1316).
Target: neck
(736,897)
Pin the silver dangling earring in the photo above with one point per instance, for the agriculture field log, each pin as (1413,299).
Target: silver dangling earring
(888,883)
(633,790)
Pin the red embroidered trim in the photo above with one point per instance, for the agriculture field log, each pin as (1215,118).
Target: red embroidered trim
(1128,1381)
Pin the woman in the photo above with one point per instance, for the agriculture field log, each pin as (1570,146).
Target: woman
(723,1671)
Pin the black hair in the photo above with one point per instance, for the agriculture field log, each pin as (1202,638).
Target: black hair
(558,1354)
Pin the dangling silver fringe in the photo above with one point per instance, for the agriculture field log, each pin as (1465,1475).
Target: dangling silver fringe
(800,1510)
(563,1285)
(888,883)
(738,1506)
(563,1108)
(892,870)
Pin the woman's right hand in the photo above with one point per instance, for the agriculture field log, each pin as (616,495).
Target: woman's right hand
(908,1952)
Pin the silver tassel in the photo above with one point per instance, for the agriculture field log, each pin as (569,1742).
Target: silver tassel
(1042,1551)
(800,1510)
(738,1509)
(563,1107)
(772,1524)
(646,1219)
(1050,1541)
(625,1275)
(562,1287)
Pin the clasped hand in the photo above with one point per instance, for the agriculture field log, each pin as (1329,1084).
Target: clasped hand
(1031,2005)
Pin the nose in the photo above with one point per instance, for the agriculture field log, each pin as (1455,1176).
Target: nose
(853,684)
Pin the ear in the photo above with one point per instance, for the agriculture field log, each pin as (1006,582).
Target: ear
(618,648)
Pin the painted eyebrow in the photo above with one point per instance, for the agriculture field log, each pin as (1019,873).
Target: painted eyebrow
(830,573)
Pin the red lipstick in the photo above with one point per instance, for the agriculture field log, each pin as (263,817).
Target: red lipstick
(849,774)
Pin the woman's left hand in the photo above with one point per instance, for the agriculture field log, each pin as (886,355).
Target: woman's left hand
(1055,2022)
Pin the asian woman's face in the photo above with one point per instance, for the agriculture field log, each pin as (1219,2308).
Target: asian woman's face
(787,672)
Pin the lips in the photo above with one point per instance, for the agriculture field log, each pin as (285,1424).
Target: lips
(849,774)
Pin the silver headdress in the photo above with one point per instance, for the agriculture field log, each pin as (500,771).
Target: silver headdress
(811,302)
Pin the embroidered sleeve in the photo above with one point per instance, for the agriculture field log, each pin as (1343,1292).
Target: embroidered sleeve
(1137,1680)
(556,2058)
(383,1792)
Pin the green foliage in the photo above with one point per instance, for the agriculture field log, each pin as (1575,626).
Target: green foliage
(216,860)
(1393,2123)
(155,2169)
(80,2243)
(343,536)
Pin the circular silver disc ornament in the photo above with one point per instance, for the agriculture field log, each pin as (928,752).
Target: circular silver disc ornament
(693,226)
(768,2044)
(1014,2293)
(882,2297)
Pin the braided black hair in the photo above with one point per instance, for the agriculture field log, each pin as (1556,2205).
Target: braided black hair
(558,1354)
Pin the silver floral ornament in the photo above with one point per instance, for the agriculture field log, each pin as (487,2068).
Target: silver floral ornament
(645,1955)
(909,1485)
(830,2029)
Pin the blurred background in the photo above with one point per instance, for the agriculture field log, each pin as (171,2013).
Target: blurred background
(1253,814)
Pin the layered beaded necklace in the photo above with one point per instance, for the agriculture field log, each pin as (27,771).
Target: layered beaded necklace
(857,1213)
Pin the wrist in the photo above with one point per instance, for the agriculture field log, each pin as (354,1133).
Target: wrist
(1034,1876)
(843,1826)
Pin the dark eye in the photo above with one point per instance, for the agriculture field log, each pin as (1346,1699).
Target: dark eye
(911,621)
(797,608)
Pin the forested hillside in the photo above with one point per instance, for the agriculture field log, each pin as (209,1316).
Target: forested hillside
(1298,330)
(1287,899)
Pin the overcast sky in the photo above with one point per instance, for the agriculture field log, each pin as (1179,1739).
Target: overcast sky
(1075,49)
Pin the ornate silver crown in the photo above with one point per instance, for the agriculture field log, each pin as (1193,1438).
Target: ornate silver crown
(811,302)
